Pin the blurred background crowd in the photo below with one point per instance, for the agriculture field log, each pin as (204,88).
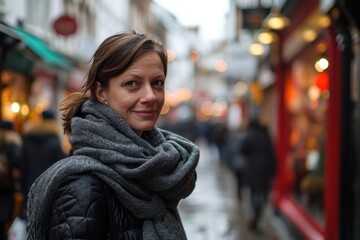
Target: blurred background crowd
(293,66)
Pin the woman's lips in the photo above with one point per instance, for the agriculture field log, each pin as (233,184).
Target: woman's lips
(146,112)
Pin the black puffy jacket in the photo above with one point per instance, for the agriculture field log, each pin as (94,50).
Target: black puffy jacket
(85,208)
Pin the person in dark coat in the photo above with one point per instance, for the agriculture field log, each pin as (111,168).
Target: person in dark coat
(234,158)
(41,149)
(125,177)
(10,155)
(258,149)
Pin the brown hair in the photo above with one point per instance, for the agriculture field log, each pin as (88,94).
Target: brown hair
(114,56)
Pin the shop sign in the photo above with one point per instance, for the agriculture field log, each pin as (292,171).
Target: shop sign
(253,17)
(65,25)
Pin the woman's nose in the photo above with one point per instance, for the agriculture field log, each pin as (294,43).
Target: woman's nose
(148,94)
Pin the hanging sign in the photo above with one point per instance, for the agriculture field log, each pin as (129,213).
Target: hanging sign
(65,25)
(253,17)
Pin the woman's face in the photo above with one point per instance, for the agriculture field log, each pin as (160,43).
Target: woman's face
(138,93)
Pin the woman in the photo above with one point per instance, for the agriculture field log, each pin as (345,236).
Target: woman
(126,176)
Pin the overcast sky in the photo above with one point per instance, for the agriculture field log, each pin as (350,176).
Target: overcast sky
(209,15)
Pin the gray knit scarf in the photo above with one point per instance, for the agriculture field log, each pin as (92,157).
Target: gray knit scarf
(149,174)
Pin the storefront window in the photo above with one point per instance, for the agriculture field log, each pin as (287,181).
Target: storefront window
(306,101)
(14,95)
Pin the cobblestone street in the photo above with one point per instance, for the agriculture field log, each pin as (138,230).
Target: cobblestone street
(213,211)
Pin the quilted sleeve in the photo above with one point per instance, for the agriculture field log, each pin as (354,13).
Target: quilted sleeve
(79,210)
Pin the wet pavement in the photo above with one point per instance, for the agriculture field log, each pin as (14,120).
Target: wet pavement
(213,211)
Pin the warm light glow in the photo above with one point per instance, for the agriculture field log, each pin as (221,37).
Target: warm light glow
(206,108)
(266,37)
(324,21)
(314,93)
(210,109)
(321,47)
(201,117)
(165,109)
(309,35)
(276,20)
(170,55)
(195,56)
(220,65)
(256,92)
(324,63)
(240,88)
(183,94)
(276,23)
(171,99)
(15,107)
(321,64)
(256,49)
(25,110)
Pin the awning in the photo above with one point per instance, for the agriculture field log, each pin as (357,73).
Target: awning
(9,57)
(7,36)
(42,50)
(15,61)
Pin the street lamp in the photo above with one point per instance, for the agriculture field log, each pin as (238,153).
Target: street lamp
(256,49)
(276,20)
(265,36)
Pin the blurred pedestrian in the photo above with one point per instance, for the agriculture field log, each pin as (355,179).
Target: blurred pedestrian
(41,149)
(260,169)
(218,135)
(235,159)
(10,153)
(126,176)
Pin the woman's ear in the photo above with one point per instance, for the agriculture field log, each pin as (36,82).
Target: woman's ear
(100,95)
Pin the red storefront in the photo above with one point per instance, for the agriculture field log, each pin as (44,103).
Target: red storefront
(314,136)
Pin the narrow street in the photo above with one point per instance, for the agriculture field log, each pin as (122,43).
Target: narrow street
(213,211)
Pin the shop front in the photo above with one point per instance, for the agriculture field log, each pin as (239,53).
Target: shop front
(32,78)
(307,189)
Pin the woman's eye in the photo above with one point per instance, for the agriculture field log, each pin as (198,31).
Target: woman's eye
(131,84)
(159,83)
